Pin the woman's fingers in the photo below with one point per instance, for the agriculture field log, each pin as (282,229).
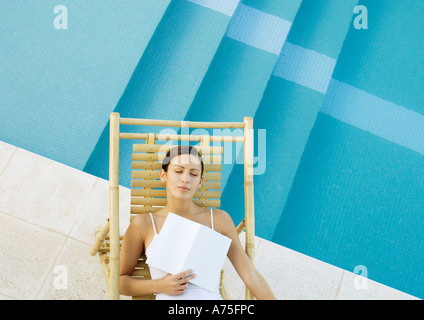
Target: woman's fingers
(183,278)
(183,274)
(179,282)
(187,278)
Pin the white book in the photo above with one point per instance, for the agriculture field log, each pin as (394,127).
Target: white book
(183,244)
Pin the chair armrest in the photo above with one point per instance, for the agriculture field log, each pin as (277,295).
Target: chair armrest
(100,238)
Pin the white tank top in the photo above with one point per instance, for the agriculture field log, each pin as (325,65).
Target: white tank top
(192,292)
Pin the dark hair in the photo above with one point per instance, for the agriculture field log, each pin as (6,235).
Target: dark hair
(178,150)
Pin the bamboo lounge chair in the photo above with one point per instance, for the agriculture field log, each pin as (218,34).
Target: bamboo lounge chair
(148,193)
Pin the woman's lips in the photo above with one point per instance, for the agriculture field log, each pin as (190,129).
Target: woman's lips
(184,189)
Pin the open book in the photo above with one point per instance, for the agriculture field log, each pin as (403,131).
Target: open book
(183,244)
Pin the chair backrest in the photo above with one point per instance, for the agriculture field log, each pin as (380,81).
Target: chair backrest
(148,193)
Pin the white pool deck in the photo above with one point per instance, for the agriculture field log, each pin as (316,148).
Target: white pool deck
(48,212)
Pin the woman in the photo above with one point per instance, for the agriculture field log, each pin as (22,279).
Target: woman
(182,171)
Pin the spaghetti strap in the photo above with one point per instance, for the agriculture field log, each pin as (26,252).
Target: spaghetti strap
(153,222)
(212,219)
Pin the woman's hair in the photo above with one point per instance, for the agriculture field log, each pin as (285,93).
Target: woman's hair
(178,150)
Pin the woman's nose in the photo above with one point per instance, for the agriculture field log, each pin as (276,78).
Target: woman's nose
(185,177)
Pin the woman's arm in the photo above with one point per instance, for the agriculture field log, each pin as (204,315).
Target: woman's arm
(253,280)
(131,248)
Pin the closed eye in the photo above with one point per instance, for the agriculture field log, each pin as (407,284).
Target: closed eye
(194,175)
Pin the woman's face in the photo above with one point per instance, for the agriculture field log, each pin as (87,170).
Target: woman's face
(183,176)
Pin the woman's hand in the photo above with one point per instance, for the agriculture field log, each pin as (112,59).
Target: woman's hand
(176,284)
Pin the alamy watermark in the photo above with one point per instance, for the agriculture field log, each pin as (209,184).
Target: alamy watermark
(361,20)
(61,20)
(361,280)
(60,281)
(258,161)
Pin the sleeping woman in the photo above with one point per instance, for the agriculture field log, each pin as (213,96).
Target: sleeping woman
(182,171)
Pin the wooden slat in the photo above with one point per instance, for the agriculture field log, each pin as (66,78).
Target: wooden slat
(143,165)
(163,202)
(142,210)
(138,272)
(137,147)
(147,184)
(174,123)
(177,137)
(146,165)
(216,185)
(158,157)
(147,297)
(148,193)
(162,193)
(142,263)
(144,156)
(141,174)
(148,201)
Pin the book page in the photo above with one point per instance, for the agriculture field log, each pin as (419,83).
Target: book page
(173,244)
(207,257)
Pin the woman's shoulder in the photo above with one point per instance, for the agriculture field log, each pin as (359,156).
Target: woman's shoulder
(222,218)
(221,213)
(140,224)
(140,219)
